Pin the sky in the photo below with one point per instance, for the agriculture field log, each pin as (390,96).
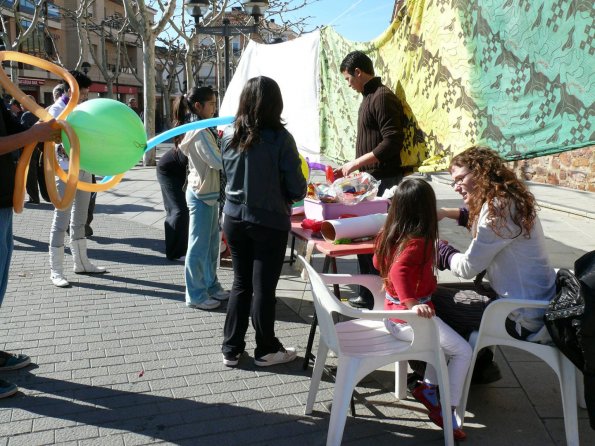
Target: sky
(357,20)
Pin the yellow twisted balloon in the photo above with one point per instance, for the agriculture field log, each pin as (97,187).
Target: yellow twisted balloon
(51,165)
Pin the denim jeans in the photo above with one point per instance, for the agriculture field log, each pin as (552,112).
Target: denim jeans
(203,250)
(75,214)
(6,245)
(257,253)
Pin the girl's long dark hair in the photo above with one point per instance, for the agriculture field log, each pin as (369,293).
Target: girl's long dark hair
(260,108)
(183,110)
(498,186)
(412,214)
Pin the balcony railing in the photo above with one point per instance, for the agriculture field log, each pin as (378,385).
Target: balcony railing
(126,70)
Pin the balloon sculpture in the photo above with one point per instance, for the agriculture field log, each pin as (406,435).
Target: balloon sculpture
(112,134)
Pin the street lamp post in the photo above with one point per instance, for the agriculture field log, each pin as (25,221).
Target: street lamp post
(86,66)
(199,8)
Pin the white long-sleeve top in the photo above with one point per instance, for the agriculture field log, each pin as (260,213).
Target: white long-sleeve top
(55,109)
(204,162)
(517,267)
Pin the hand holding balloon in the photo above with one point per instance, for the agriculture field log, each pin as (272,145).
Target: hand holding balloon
(113,136)
(46,131)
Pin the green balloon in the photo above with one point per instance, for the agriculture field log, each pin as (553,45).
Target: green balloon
(111,135)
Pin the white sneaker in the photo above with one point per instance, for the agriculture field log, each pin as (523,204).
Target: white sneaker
(59,280)
(280,357)
(209,304)
(220,295)
(231,360)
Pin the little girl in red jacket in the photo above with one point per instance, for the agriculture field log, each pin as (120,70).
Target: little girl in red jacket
(406,258)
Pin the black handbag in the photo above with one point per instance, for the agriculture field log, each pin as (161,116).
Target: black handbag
(570,320)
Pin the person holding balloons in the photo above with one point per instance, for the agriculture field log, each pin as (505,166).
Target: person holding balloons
(12,137)
(203,290)
(76,214)
(264,178)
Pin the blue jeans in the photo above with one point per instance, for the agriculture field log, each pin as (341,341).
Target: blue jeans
(6,245)
(203,250)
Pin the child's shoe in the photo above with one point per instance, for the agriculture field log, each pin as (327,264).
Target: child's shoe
(427,394)
(457,432)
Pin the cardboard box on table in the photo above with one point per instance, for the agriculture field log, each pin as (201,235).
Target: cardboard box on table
(316,210)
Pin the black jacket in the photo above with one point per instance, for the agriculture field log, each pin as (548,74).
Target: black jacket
(570,320)
(8,162)
(263,181)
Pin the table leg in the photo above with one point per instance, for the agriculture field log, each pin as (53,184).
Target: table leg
(308,356)
(291,254)
(333,265)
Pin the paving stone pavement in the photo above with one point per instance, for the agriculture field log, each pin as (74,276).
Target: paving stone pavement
(118,359)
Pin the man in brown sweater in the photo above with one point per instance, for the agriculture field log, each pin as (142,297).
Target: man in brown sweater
(379,140)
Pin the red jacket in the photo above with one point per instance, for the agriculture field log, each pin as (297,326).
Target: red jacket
(411,277)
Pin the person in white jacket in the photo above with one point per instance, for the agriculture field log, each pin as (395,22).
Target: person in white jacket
(508,243)
(203,290)
(76,214)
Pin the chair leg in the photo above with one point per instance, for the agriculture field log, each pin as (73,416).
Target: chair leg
(465,395)
(401,379)
(569,404)
(316,376)
(443,384)
(344,385)
(580,389)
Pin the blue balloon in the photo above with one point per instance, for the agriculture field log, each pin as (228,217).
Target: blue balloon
(168,134)
(196,125)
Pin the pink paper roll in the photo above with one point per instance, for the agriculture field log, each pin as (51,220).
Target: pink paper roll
(356,227)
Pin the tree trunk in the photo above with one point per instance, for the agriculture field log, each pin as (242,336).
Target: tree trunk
(150,157)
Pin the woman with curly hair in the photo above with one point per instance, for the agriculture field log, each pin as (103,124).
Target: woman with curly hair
(508,243)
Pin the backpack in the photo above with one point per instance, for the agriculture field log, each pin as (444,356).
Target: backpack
(570,320)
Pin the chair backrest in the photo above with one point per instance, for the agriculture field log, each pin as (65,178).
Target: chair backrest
(425,331)
(325,305)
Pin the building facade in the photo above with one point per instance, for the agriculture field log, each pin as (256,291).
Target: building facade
(56,39)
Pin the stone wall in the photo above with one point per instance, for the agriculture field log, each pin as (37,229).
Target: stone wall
(574,169)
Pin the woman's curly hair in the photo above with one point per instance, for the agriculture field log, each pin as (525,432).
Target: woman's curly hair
(498,186)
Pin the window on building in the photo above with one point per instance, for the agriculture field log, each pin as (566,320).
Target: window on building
(50,10)
(35,43)
(236,48)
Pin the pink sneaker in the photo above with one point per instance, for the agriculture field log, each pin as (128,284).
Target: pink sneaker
(427,394)
(457,431)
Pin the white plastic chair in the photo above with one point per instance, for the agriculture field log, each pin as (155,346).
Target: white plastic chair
(363,345)
(374,284)
(493,332)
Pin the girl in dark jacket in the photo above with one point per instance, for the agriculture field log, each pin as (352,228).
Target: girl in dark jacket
(264,178)
(171,173)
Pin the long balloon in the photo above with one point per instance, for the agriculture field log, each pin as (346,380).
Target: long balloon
(196,125)
(70,179)
(169,134)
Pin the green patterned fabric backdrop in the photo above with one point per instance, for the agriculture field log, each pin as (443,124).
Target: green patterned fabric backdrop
(515,75)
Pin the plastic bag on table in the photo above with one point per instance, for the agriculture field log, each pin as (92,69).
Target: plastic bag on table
(355,188)
(325,193)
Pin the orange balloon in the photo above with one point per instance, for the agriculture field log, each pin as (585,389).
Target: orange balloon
(51,166)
